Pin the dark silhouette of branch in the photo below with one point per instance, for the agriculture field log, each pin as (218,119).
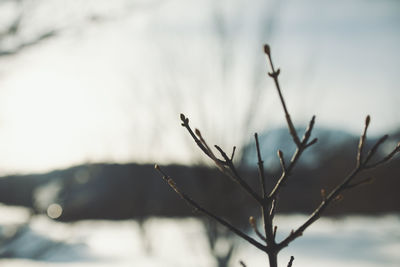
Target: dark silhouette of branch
(192,203)
(290,262)
(268,200)
(226,165)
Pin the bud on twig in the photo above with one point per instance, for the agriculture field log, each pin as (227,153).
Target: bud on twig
(185,121)
(252,221)
(338,198)
(198,133)
(367,121)
(267,50)
(323,194)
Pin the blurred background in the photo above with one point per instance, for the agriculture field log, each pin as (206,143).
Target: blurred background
(90,97)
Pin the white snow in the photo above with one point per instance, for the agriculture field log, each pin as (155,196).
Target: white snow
(349,242)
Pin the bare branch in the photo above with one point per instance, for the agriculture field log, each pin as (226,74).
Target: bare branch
(268,201)
(317,212)
(261,173)
(282,161)
(233,153)
(300,149)
(206,150)
(375,148)
(359,183)
(286,173)
(385,159)
(314,141)
(274,74)
(346,184)
(272,209)
(275,229)
(233,173)
(192,203)
(362,141)
(290,262)
(308,131)
(253,225)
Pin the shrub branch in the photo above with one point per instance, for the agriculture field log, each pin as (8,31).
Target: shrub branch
(268,200)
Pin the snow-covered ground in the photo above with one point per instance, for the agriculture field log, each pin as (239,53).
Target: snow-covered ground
(348,242)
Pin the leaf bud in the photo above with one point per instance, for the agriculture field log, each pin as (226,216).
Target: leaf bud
(367,120)
(267,49)
(252,221)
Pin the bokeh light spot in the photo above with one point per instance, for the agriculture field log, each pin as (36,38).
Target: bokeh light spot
(54,211)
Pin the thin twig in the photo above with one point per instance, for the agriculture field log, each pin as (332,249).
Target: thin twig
(261,173)
(192,203)
(233,153)
(346,184)
(274,74)
(361,143)
(282,160)
(275,229)
(307,133)
(185,123)
(236,176)
(290,262)
(361,182)
(267,201)
(300,149)
(253,225)
(385,159)
(375,148)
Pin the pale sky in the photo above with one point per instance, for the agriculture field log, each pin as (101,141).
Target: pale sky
(110,86)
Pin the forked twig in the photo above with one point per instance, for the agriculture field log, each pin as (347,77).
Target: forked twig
(268,200)
(274,74)
(198,207)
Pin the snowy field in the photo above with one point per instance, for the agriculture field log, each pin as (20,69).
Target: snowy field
(350,241)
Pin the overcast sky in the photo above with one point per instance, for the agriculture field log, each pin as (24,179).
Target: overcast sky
(109,86)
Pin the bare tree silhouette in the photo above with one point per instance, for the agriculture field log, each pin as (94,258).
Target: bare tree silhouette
(268,200)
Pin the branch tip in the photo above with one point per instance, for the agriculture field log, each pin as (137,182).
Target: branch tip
(367,120)
(185,121)
(252,221)
(275,229)
(267,50)
(233,152)
(290,261)
(338,198)
(198,133)
(158,168)
(314,141)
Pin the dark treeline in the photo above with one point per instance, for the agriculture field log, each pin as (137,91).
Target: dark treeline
(121,191)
